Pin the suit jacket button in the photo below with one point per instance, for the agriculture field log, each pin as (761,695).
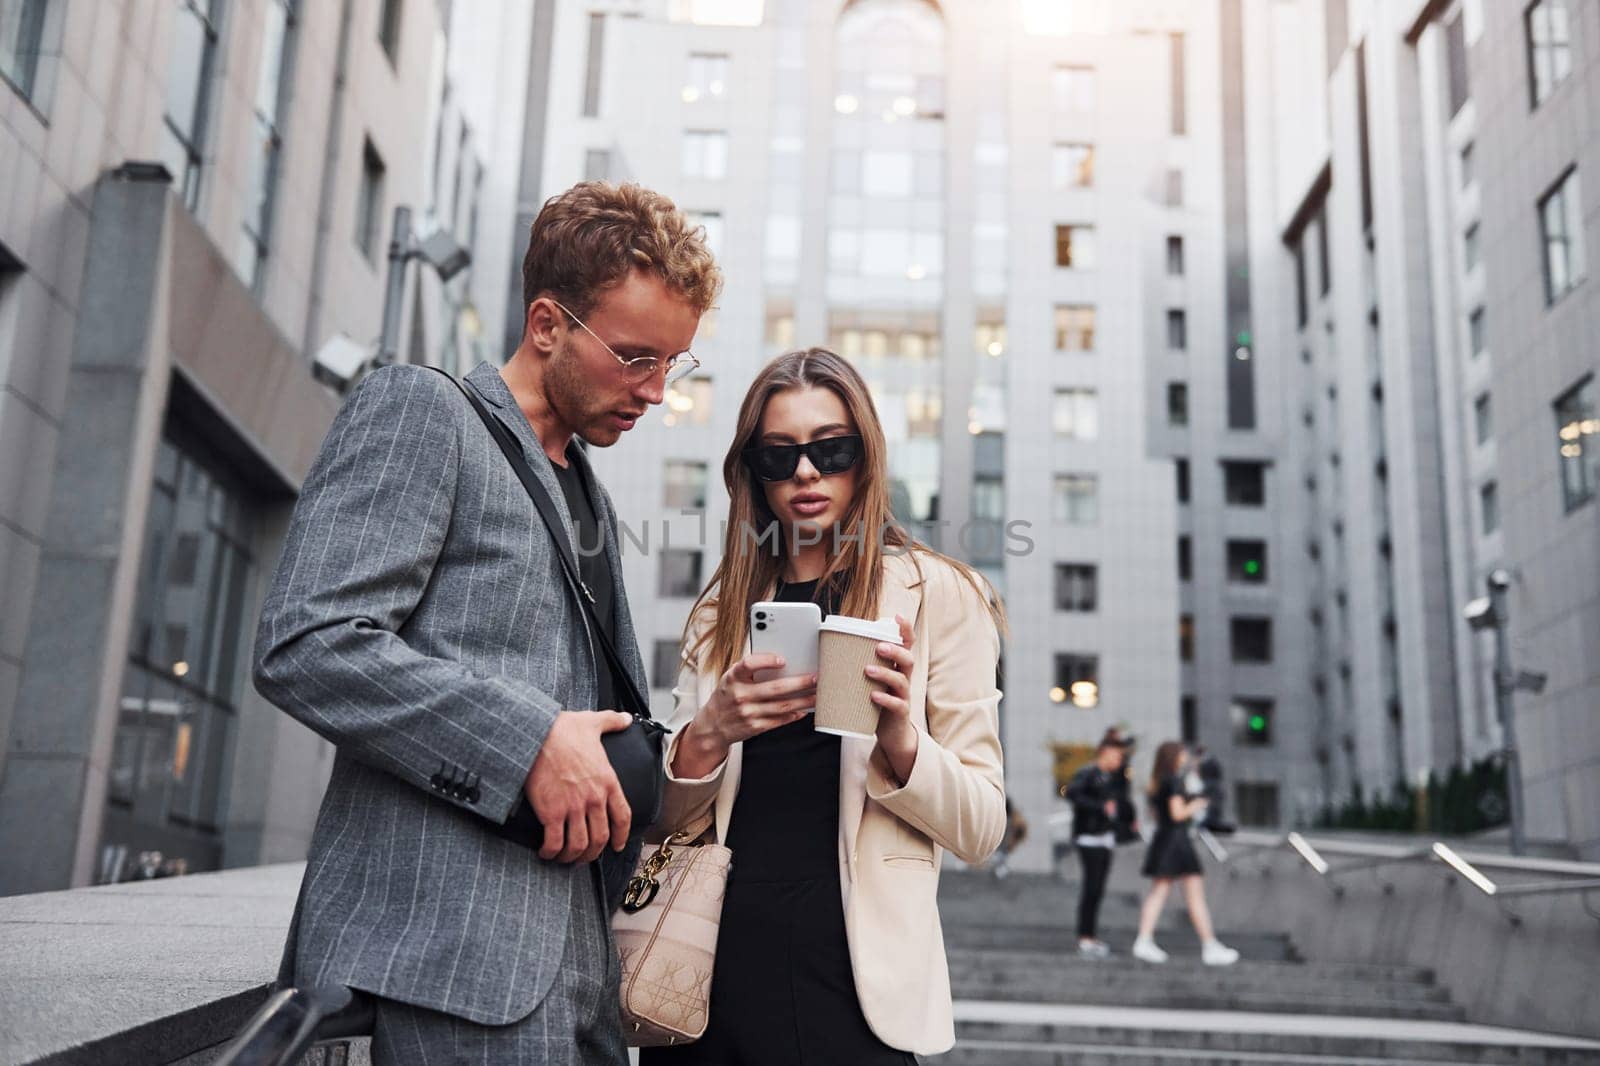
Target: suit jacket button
(437,782)
(472,795)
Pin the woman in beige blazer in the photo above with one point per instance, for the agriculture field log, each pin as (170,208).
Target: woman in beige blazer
(831,952)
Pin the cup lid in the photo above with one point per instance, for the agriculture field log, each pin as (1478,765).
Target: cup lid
(883,629)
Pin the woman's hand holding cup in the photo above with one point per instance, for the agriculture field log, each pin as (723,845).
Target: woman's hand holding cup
(897,737)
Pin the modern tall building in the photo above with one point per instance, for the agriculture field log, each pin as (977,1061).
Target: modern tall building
(1418,232)
(195,197)
(1011,218)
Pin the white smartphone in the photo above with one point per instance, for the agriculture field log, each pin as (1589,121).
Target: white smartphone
(790,630)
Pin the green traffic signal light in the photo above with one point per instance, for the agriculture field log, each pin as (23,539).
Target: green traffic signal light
(1258,723)
(1252,567)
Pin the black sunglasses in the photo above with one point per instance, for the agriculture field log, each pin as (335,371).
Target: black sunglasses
(778,462)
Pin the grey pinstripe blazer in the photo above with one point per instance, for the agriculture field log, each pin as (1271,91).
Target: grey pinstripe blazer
(418,619)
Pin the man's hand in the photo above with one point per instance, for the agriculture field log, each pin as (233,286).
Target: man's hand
(573,790)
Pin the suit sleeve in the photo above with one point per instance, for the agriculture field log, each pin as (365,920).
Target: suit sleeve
(362,546)
(955,794)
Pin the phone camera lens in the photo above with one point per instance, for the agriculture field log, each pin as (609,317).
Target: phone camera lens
(761,625)
(761,616)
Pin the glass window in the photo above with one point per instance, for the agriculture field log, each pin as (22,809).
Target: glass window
(1177,403)
(1072,90)
(1077,680)
(1072,166)
(1077,499)
(21,42)
(1326,274)
(596,164)
(684,485)
(705,154)
(1177,329)
(1469,246)
(711,221)
(369,208)
(1076,586)
(1244,483)
(716,12)
(780,328)
(887,174)
(1185,558)
(1561,223)
(1181,467)
(1247,562)
(1578,443)
(1483,418)
(1468,171)
(664,663)
(679,577)
(1302,298)
(1186,638)
(1477,340)
(1489,507)
(1077,414)
(1188,719)
(389,18)
(1252,640)
(1174,187)
(189,68)
(1075,327)
(988,498)
(594,64)
(186,661)
(688,402)
(1257,803)
(1175,257)
(707,78)
(1549,47)
(272,92)
(1075,246)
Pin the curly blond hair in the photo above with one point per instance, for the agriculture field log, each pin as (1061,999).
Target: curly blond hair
(589,238)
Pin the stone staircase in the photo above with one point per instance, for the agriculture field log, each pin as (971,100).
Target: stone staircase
(1025,998)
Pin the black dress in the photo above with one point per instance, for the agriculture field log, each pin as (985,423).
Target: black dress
(1171,852)
(782,991)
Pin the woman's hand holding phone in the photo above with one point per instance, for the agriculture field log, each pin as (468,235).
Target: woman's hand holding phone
(740,708)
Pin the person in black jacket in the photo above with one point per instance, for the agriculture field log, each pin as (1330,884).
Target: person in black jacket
(1093,793)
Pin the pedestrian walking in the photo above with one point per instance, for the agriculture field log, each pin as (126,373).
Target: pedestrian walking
(1016,833)
(1171,858)
(1093,793)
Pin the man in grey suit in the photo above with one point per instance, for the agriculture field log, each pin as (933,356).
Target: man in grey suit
(419,620)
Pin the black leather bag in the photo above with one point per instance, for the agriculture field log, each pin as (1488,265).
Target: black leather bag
(635,752)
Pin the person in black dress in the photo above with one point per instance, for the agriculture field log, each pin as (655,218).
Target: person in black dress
(1171,857)
(830,833)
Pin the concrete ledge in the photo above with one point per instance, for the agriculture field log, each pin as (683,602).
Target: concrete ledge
(137,974)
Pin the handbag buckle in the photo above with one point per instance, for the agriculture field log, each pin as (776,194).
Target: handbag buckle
(644,885)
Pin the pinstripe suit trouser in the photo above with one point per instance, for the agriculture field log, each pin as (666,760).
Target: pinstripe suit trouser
(576,1024)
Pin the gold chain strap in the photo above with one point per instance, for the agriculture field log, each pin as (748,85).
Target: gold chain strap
(644,885)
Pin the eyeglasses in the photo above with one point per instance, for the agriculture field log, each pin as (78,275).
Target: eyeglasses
(642,367)
(778,462)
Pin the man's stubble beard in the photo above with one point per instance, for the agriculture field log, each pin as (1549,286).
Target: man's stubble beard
(569,393)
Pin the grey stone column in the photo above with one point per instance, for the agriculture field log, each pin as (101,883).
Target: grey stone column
(53,794)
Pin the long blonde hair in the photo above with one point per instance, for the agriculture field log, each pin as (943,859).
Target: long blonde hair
(749,569)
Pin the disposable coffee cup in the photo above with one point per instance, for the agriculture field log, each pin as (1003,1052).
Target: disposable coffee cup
(845,648)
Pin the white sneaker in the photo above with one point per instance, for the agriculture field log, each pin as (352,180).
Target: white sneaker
(1216,953)
(1145,950)
(1094,949)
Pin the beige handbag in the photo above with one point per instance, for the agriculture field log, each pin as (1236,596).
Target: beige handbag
(666,933)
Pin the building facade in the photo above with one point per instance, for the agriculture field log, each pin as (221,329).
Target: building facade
(197,197)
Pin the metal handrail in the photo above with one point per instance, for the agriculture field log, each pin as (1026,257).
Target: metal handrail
(1582,877)
(292,1019)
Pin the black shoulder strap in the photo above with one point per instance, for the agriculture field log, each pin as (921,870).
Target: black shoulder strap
(569,567)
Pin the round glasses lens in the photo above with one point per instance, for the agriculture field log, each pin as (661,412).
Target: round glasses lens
(679,369)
